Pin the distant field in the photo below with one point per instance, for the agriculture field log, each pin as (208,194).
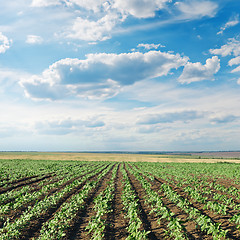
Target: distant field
(117,157)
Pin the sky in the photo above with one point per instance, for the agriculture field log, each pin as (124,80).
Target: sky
(117,75)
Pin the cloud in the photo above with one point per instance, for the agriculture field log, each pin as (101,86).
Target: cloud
(197,9)
(149,46)
(67,126)
(45,3)
(237,69)
(34,39)
(90,30)
(140,8)
(99,75)
(234,61)
(170,117)
(224,119)
(194,72)
(231,48)
(97,20)
(230,23)
(4,43)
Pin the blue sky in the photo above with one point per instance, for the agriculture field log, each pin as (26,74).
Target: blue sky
(96,75)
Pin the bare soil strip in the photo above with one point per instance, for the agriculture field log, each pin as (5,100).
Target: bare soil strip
(117,222)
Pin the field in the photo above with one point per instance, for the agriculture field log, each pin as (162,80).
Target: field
(120,197)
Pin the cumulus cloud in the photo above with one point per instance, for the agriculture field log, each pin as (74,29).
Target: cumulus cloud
(231,48)
(90,30)
(194,72)
(4,43)
(170,117)
(140,8)
(34,39)
(197,9)
(99,75)
(230,23)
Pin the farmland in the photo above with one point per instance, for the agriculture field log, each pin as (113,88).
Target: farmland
(120,197)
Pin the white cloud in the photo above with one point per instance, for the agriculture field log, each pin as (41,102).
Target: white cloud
(89,30)
(230,23)
(45,3)
(34,39)
(234,61)
(149,46)
(96,20)
(194,72)
(4,43)
(231,48)
(100,75)
(197,9)
(140,8)
(94,5)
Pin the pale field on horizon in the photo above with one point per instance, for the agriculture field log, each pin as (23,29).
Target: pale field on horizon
(118,157)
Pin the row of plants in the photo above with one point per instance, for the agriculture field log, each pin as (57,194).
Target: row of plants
(131,210)
(103,206)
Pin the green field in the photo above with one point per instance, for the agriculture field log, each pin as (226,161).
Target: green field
(78,196)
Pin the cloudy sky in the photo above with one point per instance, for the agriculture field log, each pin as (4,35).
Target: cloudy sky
(120,75)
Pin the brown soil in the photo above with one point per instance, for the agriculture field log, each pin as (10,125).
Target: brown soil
(118,224)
